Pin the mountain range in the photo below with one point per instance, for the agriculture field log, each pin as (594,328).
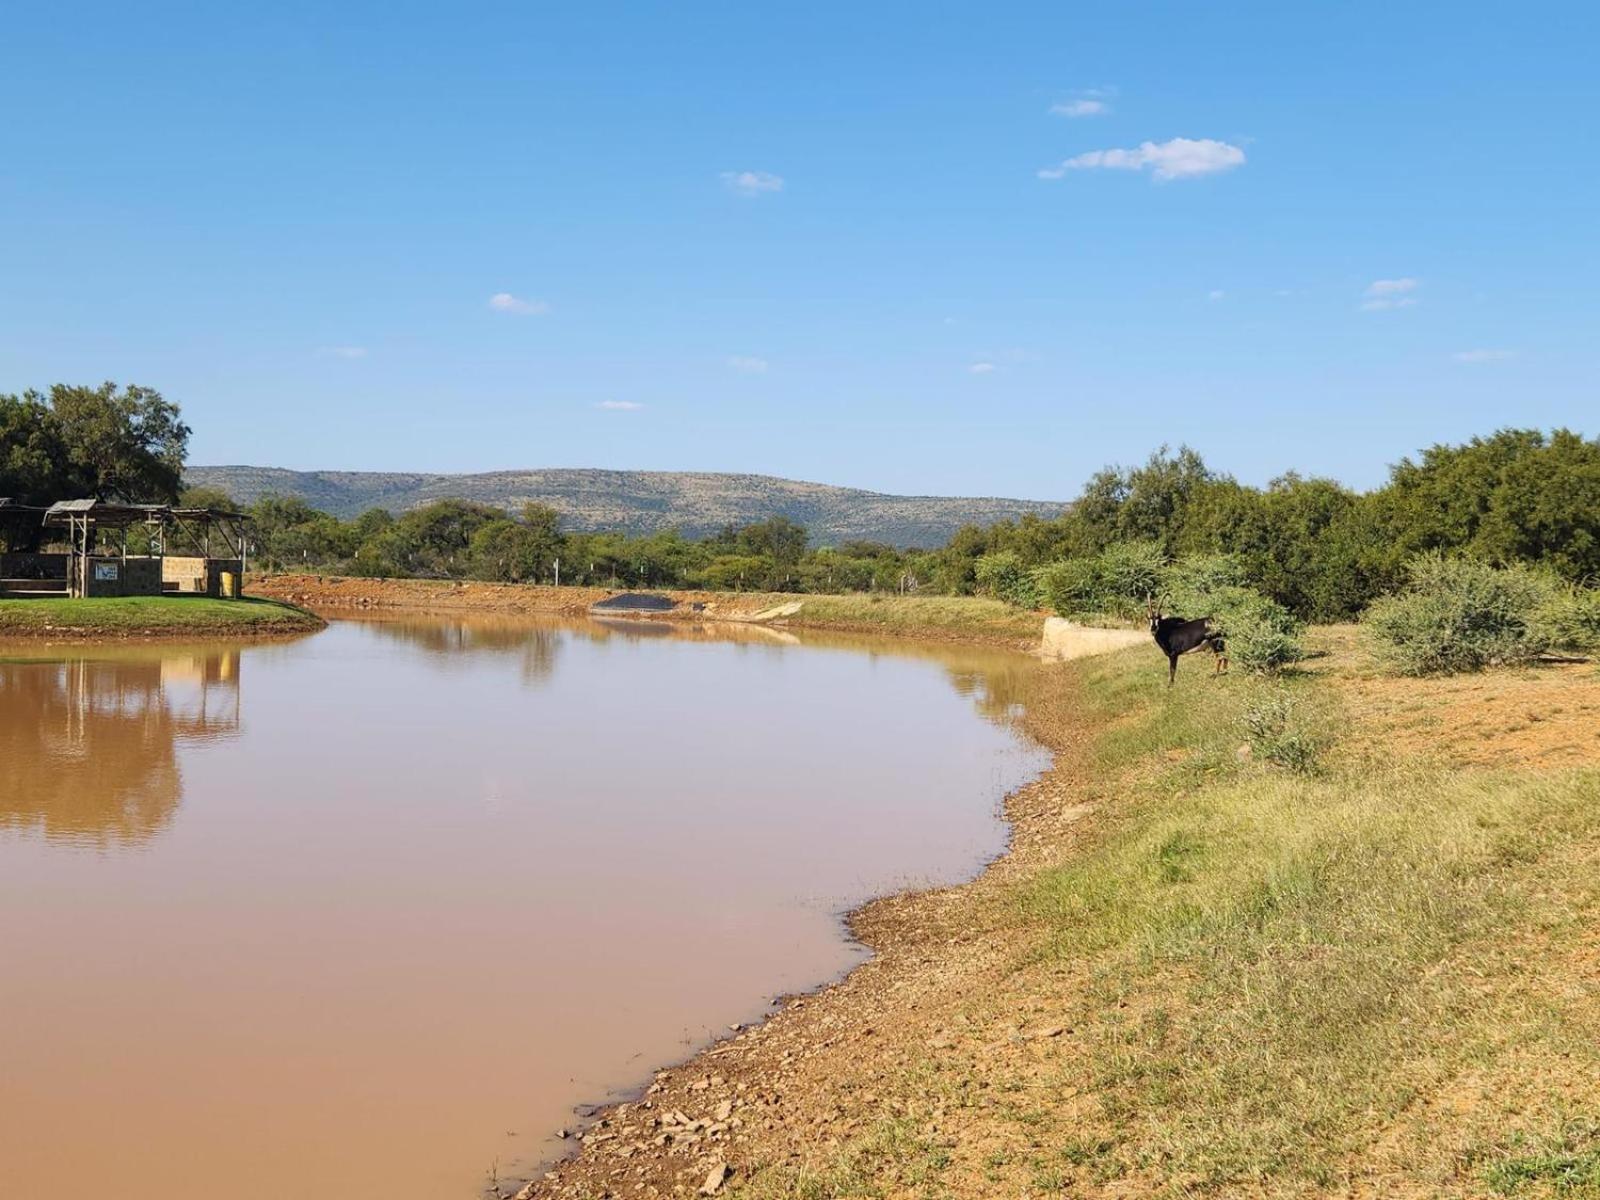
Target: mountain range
(698,503)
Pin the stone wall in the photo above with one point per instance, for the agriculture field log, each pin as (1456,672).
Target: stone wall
(1065,639)
(184,574)
(118,577)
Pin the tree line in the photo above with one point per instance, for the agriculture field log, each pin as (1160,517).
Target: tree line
(1321,550)
(1316,548)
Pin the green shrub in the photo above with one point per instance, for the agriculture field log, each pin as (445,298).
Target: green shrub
(1569,619)
(1003,576)
(1117,582)
(1200,575)
(1262,635)
(1459,614)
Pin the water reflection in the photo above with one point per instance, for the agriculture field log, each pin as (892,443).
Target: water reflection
(449,644)
(990,677)
(432,864)
(88,748)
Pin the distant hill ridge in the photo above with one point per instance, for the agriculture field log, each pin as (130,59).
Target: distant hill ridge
(696,502)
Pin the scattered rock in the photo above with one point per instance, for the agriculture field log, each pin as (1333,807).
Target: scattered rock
(714,1181)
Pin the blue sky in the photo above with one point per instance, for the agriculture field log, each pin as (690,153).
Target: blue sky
(965,249)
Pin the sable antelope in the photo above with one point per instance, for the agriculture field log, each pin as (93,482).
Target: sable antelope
(1177,636)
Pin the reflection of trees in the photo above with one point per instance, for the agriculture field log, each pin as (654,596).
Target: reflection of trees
(997,688)
(88,749)
(996,680)
(447,641)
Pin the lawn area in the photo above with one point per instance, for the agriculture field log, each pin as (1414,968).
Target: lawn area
(141,616)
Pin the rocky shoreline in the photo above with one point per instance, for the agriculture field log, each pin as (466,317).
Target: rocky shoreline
(828,1066)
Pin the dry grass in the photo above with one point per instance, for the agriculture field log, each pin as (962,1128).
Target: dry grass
(1375,976)
(1539,716)
(923,616)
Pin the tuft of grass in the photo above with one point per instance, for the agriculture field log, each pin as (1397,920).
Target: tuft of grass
(1279,732)
(890,1159)
(1567,1164)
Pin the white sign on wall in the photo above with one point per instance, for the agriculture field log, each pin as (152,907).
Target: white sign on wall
(107,571)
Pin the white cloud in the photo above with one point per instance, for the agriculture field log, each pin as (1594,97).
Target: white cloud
(1383,294)
(981,368)
(507,303)
(351,352)
(1215,294)
(1179,158)
(619,405)
(1483,356)
(747,364)
(1082,107)
(752,183)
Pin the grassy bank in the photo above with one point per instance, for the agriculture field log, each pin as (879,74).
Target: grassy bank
(1302,953)
(151,616)
(967,617)
(1359,965)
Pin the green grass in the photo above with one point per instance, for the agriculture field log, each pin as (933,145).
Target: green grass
(1298,957)
(1307,949)
(133,616)
(965,616)
(890,1159)
(1567,1165)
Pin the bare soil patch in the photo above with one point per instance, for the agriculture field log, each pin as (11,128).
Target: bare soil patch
(1537,717)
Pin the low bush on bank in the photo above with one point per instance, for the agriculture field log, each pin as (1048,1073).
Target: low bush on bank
(1261,635)
(1004,576)
(1458,614)
(1569,619)
(1118,582)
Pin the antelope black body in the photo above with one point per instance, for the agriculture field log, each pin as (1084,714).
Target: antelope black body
(1177,636)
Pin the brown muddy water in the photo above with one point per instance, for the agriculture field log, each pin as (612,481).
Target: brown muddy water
(367,914)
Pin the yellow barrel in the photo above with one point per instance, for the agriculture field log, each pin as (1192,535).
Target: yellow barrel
(230,585)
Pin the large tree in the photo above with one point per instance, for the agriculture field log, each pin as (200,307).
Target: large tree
(101,442)
(33,460)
